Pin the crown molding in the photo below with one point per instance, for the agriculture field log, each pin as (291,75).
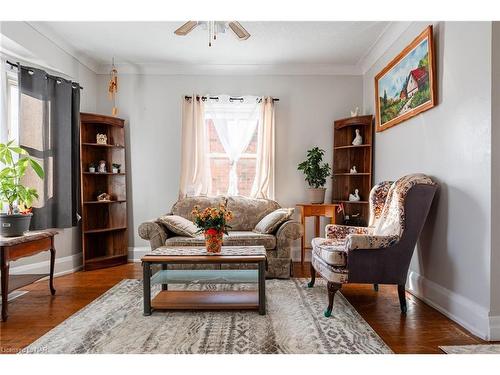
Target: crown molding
(46,32)
(385,40)
(10,50)
(390,34)
(231,69)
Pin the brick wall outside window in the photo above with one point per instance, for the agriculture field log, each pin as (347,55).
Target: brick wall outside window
(219,165)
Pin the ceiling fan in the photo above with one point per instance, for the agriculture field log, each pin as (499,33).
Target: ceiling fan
(214,28)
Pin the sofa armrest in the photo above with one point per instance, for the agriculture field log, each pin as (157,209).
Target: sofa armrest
(370,241)
(287,232)
(154,232)
(340,232)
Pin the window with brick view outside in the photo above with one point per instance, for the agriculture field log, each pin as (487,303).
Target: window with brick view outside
(219,164)
(29,129)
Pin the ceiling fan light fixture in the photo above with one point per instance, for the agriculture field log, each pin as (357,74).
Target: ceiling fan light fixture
(239,30)
(213,28)
(186,28)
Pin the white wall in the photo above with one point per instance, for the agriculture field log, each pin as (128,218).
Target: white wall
(151,104)
(495,180)
(452,144)
(34,47)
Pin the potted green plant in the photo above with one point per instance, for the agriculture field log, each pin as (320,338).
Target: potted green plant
(19,198)
(116,168)
(92,167)
(315,173)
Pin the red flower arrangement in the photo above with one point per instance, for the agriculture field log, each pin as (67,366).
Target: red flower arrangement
(212,221)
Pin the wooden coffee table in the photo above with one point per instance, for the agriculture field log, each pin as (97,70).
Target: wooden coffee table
(205,300)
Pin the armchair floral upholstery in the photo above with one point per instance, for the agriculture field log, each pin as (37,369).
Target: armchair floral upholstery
(381,252)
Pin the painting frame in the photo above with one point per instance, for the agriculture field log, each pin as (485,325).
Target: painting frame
(426,35)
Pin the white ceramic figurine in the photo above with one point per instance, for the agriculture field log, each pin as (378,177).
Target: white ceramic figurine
(358,140)
(354,197)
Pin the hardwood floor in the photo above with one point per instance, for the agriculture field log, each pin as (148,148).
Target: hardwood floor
(422,330)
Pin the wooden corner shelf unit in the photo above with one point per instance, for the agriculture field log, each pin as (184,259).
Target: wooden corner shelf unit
(104,223)
(345,156)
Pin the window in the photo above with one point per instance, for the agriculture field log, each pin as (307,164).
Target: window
(227,147)
(220,164)
(12,104)
(29,127)
(232,128)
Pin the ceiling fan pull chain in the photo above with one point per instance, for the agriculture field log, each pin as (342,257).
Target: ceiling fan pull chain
(210,33)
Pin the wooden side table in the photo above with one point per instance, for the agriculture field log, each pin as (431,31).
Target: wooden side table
(315,210)
(13,248)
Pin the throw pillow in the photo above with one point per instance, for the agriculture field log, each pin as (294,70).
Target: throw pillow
(273,220)
(179,225)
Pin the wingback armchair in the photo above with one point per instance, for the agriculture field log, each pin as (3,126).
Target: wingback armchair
(381,252)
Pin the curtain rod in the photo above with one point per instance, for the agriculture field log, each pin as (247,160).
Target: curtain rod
(17,65)
(231,98)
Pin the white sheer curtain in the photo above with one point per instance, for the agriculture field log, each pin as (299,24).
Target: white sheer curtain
(195,167)
(235,123)
(263,186)
(4,128)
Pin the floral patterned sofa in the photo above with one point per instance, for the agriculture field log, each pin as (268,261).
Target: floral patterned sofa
(381,252)
(247,213)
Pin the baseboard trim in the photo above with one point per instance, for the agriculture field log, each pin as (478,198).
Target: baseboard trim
(460,309)
(62,266)
(136,253)
(495,328)
(15,294)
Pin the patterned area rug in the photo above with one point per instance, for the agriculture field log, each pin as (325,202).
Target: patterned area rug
(294,323)
(471,349)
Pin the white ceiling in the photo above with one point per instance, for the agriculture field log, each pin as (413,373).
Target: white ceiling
(327,46)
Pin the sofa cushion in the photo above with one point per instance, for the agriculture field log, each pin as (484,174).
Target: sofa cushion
(331,251)
(331,273)
(247,212)
(271,222)
(248,238)
(179,225)
(235,238)
(184,206)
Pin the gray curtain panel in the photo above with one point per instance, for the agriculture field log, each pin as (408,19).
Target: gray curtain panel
(49,129)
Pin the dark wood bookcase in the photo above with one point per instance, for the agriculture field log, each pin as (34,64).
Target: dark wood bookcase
(104,223)
(345,156)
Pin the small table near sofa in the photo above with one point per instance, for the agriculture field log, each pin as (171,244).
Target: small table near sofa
(315,210)
(205,299)
(13,248)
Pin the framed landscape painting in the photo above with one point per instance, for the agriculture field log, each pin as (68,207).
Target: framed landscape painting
(407,85)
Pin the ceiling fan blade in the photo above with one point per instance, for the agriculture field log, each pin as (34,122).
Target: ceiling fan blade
(239,30)
(186,28)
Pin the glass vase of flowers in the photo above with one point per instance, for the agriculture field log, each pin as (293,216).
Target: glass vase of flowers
(212,222)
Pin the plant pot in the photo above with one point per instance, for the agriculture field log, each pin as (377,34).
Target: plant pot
(115,170)
(92,170)
(316,195)
(213,240)
(14,225)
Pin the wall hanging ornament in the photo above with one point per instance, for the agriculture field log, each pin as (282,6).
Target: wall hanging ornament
(113,87)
